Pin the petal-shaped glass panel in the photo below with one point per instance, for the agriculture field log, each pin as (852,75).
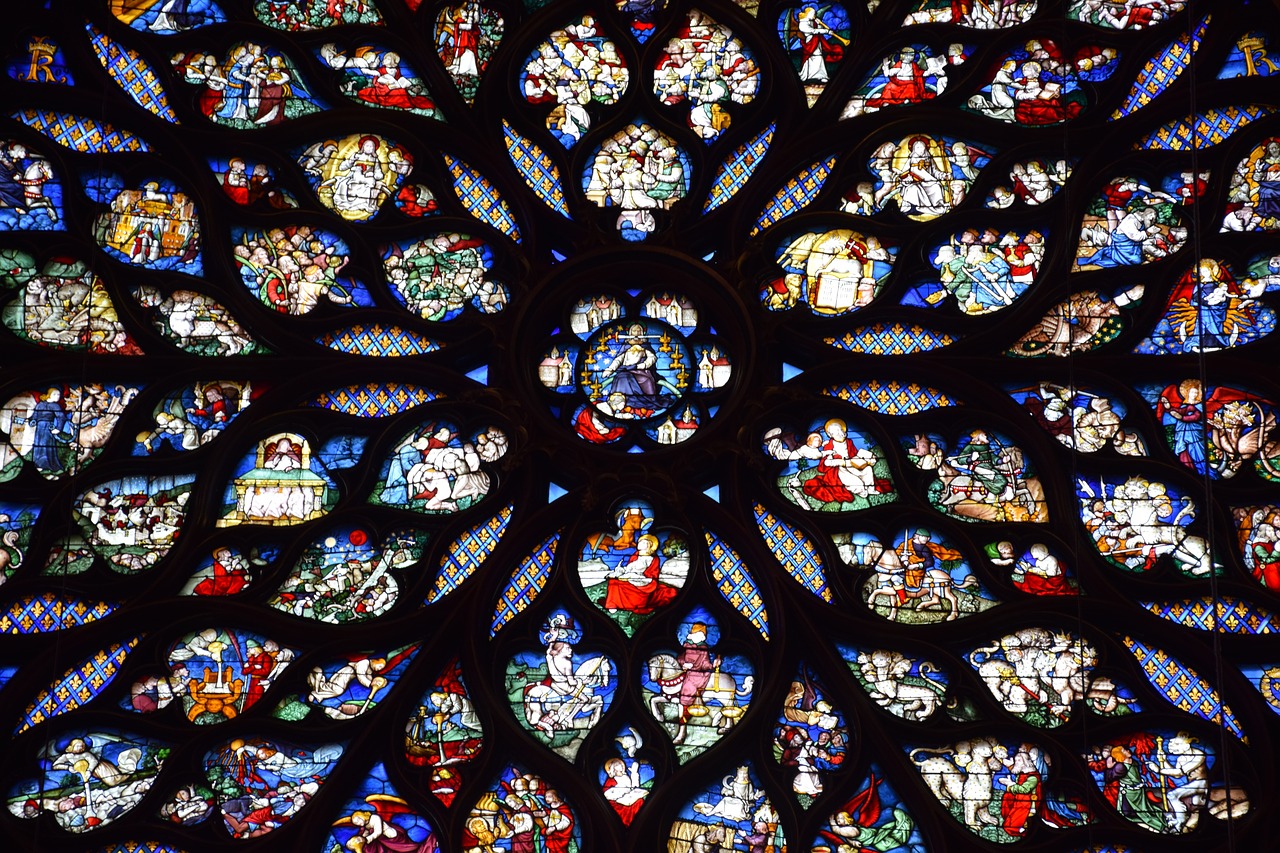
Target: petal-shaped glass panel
(248,87)
(467,35)
(283,775)
(445,732)
(574,67)
(990,786)
(709,68)
(108,771)
(815,41)
(732,808)
(559,694)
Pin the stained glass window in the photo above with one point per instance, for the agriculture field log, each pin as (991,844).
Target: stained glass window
(533,426)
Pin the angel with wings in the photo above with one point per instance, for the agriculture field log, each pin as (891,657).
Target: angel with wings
(376,830)
(806,31)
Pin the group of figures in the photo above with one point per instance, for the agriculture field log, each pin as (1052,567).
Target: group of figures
(995,789)
(907,687)
(1253,196)
(574,68)
(294,268)
(196,323)
(1127,15)
(1032,183)
(377,77)
(89,779)
(259,785)
(523,813)
(434,470)
(438,276)
(924,176)
(63,305)
(986,478)
(1160,781)
(1135,521)
(984,271)
(254,86)
(1083,419)
(1129,223)
(1037,84)
(811,738)
(1039,675)
(1039,571)
(132,522)
(977,16)
(706,65)
(354,175)
(279,484)
(639,170)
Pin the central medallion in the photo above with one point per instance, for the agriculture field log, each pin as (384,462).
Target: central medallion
(635,370)
(641,364)
(639,355)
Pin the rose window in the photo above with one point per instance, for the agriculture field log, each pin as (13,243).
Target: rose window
(520,426)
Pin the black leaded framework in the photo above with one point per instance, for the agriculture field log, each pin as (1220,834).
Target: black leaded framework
(722,482)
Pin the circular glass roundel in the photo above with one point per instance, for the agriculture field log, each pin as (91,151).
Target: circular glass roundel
(635,370)
(639,356)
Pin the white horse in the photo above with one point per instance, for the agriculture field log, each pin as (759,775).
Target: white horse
(719,693)
(33,180)
(937,588)
(555,706)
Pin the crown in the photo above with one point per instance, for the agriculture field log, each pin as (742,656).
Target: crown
(39,46)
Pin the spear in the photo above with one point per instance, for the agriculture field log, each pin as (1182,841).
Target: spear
(1164,779)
